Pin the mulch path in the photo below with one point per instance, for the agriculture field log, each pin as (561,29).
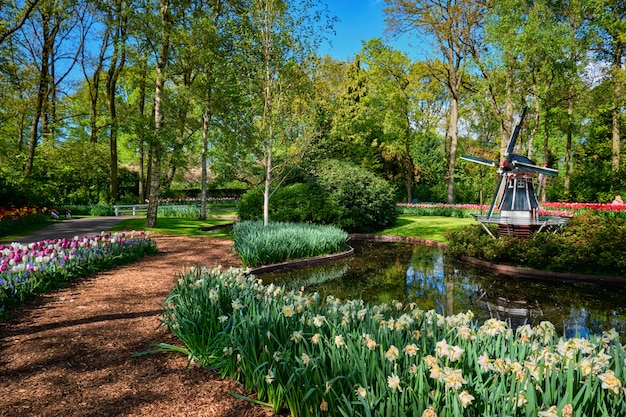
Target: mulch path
(70,353)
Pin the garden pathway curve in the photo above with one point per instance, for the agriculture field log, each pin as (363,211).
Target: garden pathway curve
(72,352)
(85,226)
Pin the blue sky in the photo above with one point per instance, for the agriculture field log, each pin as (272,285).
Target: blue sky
(361,20)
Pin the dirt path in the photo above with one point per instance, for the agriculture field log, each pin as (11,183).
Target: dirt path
(70,352)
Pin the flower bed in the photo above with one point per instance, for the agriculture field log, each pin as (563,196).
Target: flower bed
(326,357)
(605,210)
(468,210)
(14,218)
(26,270)
(257,244)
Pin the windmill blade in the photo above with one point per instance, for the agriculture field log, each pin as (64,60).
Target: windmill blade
(496,195)
(535,168)
(479,160)
(515,134)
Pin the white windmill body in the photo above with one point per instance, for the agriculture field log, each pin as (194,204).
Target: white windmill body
(518,203)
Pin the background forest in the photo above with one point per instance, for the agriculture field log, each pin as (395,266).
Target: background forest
(128,100)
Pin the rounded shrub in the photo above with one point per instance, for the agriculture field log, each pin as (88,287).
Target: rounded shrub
(250,207)
(357,199)
(296,203)
(337,193)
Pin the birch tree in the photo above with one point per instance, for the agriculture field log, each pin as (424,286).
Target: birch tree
(283,33)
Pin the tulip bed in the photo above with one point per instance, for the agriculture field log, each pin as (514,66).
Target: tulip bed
(468,210)
(598,209)
(14,217)
(27,270)
(548,209)
(318,356)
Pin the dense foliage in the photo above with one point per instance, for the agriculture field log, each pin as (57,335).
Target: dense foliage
(27,270)
(258,244)
(337,193)
(588,244)
(318,356)
(204,93)
(298,203)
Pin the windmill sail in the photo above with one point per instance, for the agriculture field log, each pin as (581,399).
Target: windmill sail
(515,134)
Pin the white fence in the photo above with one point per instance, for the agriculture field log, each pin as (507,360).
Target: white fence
(135,209)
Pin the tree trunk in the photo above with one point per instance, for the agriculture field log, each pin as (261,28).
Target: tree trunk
(453,133)
(42,93)
(206,120)
(268,180)
(546,151)
(117,64)
(617,110)
(142,150)
(507,124)
(568,145)
(535,129)
(155,149)
(113,147)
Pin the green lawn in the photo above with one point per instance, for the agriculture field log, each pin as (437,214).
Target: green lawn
(176,226)
(426,227)
(16,235)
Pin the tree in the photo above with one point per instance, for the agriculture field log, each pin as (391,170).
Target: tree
(392,93)
(117,27)
(13,17)
(282,34)
(608,17)
(165,15)
(455,25)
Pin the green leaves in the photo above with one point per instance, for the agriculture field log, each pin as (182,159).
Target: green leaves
(258,245)
(345,358)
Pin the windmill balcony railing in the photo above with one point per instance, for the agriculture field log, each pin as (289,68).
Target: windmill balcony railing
(520,225)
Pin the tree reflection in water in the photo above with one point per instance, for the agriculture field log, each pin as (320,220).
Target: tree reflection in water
(408,272)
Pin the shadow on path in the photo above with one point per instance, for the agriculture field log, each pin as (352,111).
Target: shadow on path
(87,226)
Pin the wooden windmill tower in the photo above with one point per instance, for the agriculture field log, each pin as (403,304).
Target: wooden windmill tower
(515,194)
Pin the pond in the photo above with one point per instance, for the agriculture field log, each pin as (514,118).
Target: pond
(410,272)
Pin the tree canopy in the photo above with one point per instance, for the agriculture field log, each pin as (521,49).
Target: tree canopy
(143,99)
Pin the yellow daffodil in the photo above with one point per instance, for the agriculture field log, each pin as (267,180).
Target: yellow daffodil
(466,398)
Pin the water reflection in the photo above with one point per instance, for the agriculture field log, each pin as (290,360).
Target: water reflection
(387,271)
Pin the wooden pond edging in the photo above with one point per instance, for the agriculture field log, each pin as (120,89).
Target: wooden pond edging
(300,263)
(540,274)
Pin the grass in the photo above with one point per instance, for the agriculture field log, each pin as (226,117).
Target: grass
(426,227)
(176,226)
(24,230)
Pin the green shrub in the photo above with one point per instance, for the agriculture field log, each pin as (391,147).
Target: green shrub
(187,211)
(297,203)
(257,244)
(444,210)
(250,207)
(357,200)
(588,244)
(338,194)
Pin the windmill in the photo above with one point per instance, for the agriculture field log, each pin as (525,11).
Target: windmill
(515,193)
